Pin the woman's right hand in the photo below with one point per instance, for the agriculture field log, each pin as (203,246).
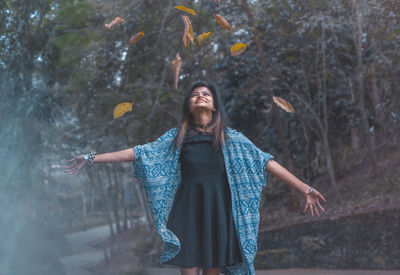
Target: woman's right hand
(76,165)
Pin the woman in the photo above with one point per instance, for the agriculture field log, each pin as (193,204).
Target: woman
(203,182)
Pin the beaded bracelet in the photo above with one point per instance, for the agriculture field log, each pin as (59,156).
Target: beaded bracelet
(89,158)
(309,191)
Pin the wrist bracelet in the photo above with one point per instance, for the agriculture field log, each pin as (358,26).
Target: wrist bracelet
(89,158)
(309,191)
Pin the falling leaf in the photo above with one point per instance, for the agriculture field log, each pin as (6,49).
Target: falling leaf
(203,36)
(238,48)
(136,38)
(188,34)
(121,109)
(117,20)
(183,8)
(176,67)
(283,104)
(223,22)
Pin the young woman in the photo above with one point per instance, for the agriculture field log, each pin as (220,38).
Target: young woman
(203,182)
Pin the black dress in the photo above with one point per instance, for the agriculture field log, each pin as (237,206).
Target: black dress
(201,214)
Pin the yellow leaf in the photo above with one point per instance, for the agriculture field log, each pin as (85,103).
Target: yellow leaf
(121,109)
(136,38)
(188,33)
(203,36)
(283,104)
(238,48)
(223,22)
(176,67)
(183,8)
(117,20)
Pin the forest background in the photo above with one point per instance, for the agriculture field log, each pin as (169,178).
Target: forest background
(62,72)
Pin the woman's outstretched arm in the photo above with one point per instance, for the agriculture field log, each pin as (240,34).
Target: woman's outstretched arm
(78,162)
(127,155)
(312,195)
(277,170)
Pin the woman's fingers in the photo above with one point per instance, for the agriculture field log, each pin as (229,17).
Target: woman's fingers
(73,159)
(320,206)
(70,172)
(321,197)
(305,209)
(316,209)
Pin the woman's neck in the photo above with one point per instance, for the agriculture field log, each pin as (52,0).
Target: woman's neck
(202,119)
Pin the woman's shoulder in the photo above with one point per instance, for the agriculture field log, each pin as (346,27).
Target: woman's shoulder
(233,133)
(168,135)
(237,136)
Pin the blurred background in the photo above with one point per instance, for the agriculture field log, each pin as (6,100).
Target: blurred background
(62,72)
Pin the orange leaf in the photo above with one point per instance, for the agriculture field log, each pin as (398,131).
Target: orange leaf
(188,34)
(121,109)
(283,104)
(183,8)
(117,20)
(238,48)
(223,22)
(203,36)
(136,38)
(176,67)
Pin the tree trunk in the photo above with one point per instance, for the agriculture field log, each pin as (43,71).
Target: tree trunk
(360,78)
(376,100)
(91,200)
(325,126)
(113,193)
(104,199)
(294,201)
(355,139)
(119,195)
(84,209)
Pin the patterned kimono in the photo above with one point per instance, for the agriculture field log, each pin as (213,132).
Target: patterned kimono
(156,165)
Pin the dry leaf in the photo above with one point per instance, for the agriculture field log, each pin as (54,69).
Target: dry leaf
(223,22)
(176,67)
(183,8)
(121,109)
(188,34)
(203,36)
(238,48)
(283,104)
(117,20)
(136,38)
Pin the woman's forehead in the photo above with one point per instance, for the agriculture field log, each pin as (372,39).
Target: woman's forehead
(201,89)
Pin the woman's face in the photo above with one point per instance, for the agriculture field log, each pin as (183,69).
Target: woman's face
(201,99)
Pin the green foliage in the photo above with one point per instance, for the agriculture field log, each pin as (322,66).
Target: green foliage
(74,14)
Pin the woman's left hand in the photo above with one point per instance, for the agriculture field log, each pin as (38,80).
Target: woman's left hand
(312,202)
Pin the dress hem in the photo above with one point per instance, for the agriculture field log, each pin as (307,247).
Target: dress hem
(202,266)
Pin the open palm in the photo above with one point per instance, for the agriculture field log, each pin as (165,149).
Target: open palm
(312,202)
(77,164)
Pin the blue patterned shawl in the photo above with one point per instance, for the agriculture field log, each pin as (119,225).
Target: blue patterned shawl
(156,165)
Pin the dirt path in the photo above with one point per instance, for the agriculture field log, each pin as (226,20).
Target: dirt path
(83,252)
(85,255)
(172,271)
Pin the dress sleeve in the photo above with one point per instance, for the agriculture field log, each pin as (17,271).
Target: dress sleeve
(258,156)
(149,155)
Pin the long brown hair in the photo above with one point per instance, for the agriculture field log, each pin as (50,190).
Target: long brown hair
(218,121)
